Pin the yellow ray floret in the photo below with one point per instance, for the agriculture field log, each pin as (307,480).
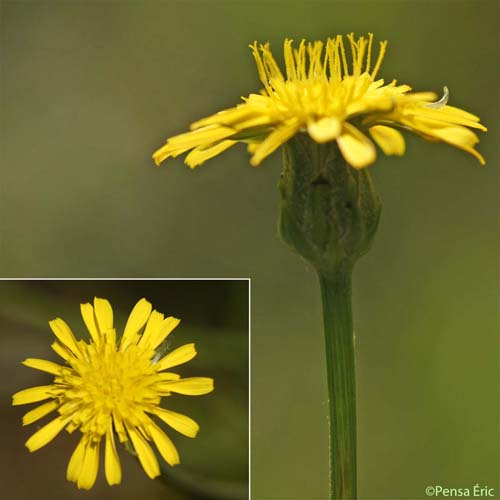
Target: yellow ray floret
(329,91)
(106,387)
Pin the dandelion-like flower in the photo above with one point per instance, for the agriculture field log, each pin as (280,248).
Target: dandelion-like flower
(330,99)
(109,387)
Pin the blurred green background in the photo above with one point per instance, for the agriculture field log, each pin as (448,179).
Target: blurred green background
(91,89)
(214,315)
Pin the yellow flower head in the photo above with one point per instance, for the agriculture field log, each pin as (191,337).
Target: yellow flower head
(107,387)
(330,99)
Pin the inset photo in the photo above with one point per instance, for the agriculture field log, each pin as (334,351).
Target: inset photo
(126,388)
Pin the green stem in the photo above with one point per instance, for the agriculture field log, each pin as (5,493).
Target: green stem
(339,344)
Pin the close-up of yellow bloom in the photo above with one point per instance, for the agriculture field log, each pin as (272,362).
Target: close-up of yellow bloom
(332,97)
(110,386)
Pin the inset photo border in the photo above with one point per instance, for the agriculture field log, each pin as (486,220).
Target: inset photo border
(125,379)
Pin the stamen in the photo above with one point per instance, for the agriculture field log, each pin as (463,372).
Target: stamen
(310,54)
(354,51)
(325,59)
(271,66)
(368,58)
(319,70)
(291,73)
(260,65)
(342,51)
(361,55)
(383,46)
(314,51)
(338,63)
(300,57)
(329,58)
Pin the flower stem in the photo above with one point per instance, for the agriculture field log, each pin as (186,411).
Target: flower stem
(339,346)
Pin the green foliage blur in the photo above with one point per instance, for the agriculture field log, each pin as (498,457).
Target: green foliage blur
(90,89)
